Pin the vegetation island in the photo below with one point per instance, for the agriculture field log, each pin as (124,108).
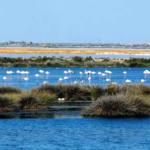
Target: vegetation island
(112,101)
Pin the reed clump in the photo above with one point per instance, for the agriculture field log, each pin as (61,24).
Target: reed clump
(123,101)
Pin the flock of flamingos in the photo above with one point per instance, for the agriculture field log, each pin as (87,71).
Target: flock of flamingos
(85,77)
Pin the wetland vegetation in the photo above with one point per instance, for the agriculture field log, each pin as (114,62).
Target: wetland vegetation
(112,101)
(73,62)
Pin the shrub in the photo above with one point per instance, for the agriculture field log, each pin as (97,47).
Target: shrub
(77,59)
(46,99)
(118,106)
(112,89)
(6,104)
(7,90)
(145,89)
(97,92)
(28,102)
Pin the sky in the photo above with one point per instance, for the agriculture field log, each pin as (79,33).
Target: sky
(77,21)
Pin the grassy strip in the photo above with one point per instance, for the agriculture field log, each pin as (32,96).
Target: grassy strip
(72,62)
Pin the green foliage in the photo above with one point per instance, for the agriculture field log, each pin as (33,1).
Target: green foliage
(73,62)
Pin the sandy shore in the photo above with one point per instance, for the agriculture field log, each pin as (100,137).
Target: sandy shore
(82,51)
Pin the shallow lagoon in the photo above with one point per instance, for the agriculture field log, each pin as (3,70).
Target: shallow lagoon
(117,76)
(114,56)
(75,134)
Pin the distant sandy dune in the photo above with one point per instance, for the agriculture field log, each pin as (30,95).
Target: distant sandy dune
(82,51)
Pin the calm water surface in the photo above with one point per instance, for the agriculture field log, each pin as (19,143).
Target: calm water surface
(72,55)
(75,134)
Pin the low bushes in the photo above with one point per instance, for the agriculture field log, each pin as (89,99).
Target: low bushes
(118,106)
(28,102)
(7,90)
(112,101)
(72,62)
(6,104)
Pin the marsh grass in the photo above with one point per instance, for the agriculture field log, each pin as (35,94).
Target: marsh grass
(112,101)
(123,101)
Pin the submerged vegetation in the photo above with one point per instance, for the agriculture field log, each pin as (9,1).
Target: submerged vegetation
(112,101)
(72,62)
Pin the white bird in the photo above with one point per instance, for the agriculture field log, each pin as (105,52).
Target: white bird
(66,78)
(75,82)
(65,72)
(89,78)
(142,80)
(25,78)
(114,83)
(93,72)
(124,72)
(26,72)
(80,72)
(18,71)
(128,81)
(41,71)
(108,72)
(47,73)
(70,71)
(103,74)
(146,72)
(37,75)
(9,72)
(4,78)
(82,81)
(108,80)
(60,79)
(61,99)
(45,82)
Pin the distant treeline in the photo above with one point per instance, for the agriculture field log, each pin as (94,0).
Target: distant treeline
(72,62)
(74,45)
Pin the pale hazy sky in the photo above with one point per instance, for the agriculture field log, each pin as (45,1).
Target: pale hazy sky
(125,21)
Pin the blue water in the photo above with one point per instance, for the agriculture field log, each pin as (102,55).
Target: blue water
(75,134)
(117,76)
(116,56)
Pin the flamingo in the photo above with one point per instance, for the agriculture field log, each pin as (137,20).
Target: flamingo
(47,73)
(41,71)
(128,81)
(66,78)
(142,80)
(124,72)
(25,78)
(9,72)
(108,80)
(61,99)
(37,75)
(60,80)
(45,82)
(5,78)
